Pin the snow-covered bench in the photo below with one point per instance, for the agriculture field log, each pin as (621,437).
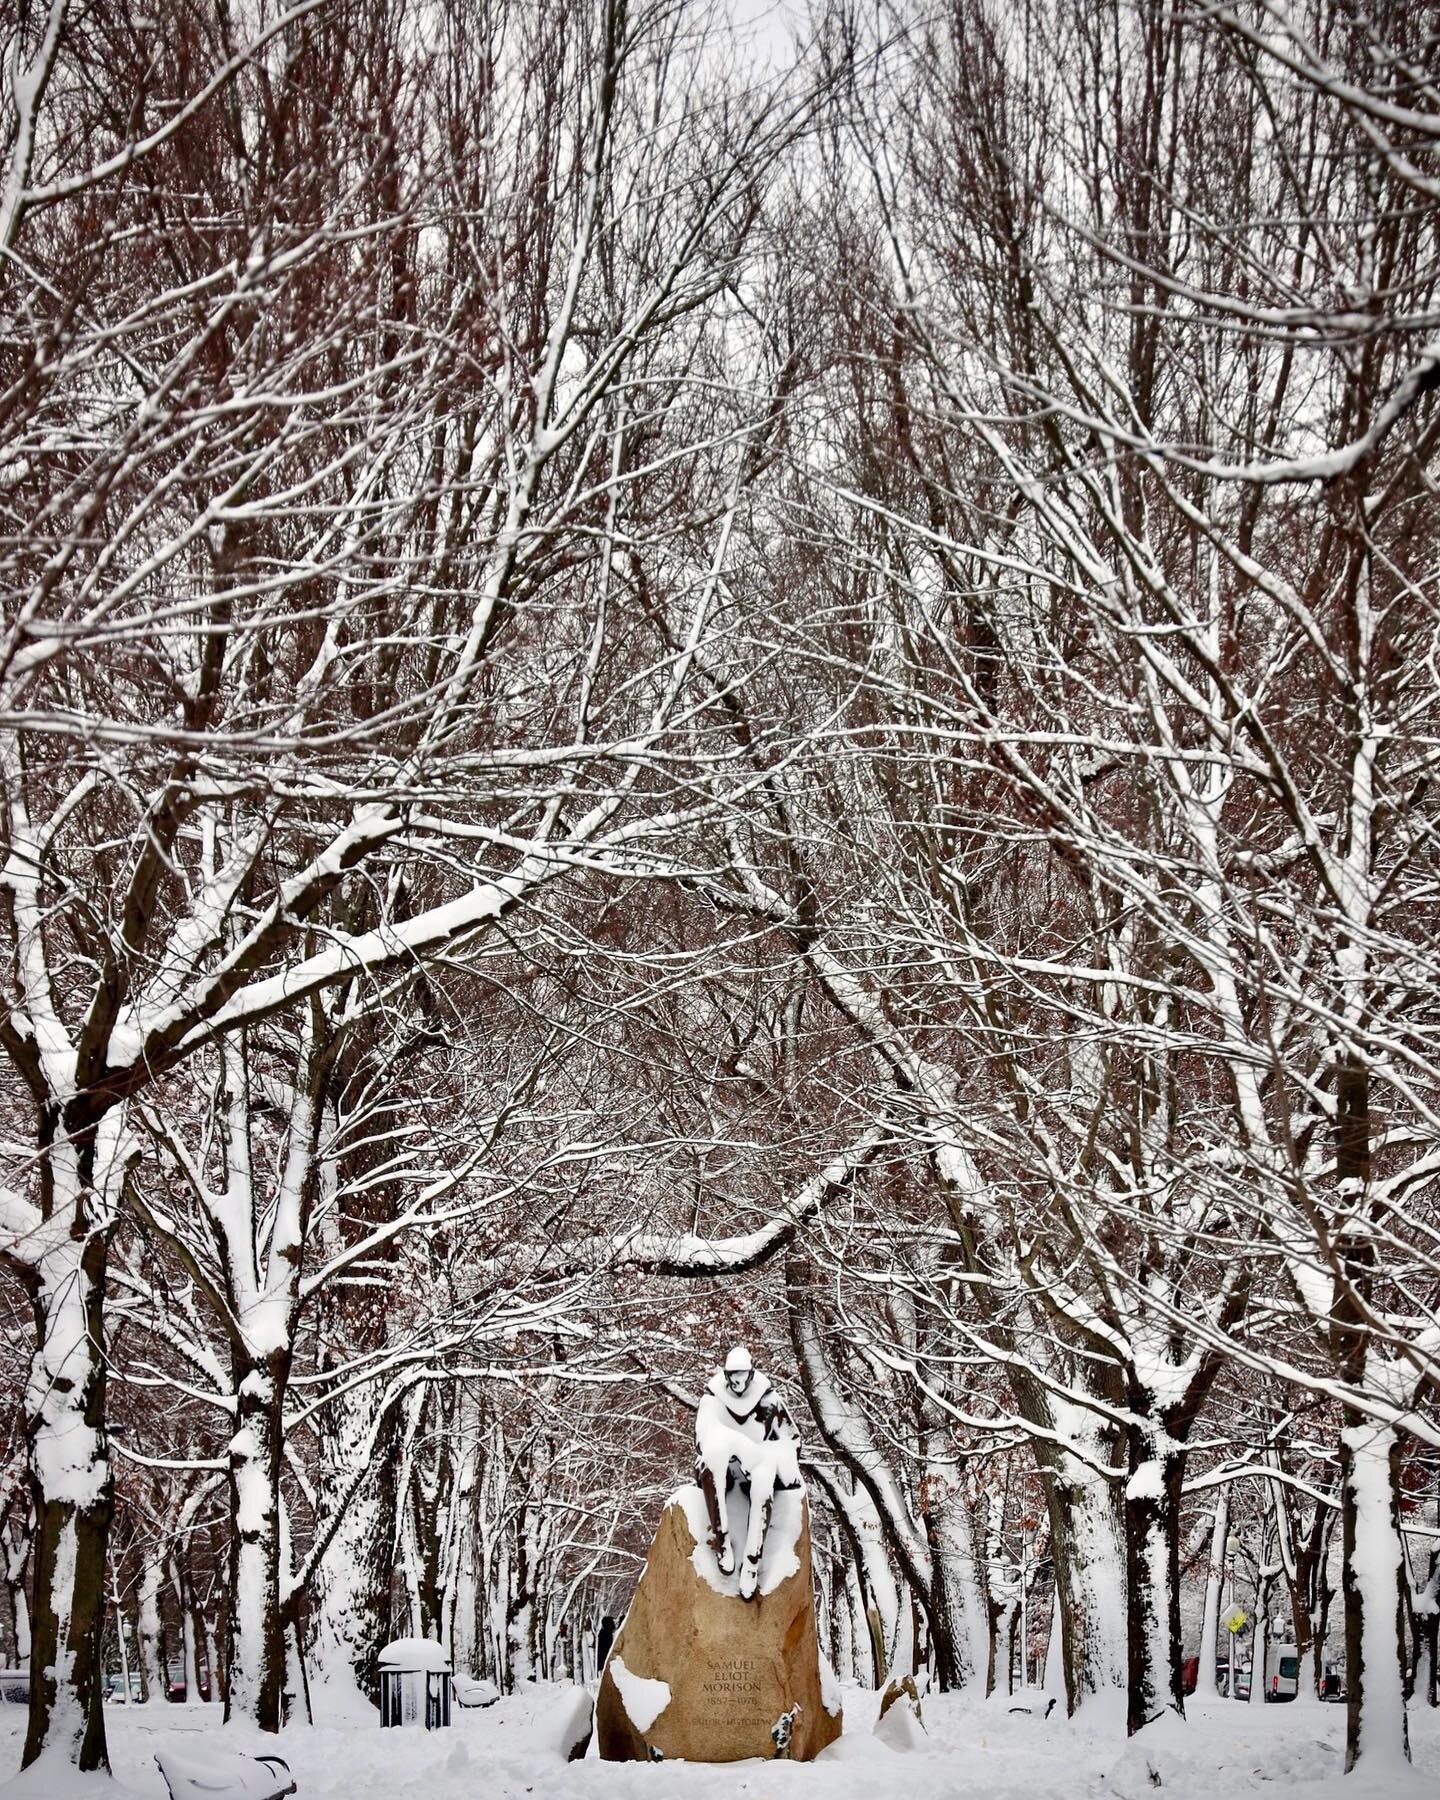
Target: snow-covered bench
(224,1775)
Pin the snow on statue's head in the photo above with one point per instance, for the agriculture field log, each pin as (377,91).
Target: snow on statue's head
(738,1370)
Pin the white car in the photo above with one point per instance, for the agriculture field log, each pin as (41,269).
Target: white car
(1285,1673)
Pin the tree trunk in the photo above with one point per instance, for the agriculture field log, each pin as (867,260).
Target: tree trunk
(957,1605)
(122,1644)
(1309,1606)
(1377,1729)
(1205,1683)
(255,1653)
(20,1613)
(1053,1680)
(352,1610)
(152,1671)
(1425,1685)
(1259,1658)
(1152,1571)
(219,1682)
(189,1641)
(72,1492)
(16,1546)
(1374,1577)
(842,1618)
(1087,1544)
(520,1613)
(880,1601)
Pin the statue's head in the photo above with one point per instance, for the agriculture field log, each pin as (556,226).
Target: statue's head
(738,1370)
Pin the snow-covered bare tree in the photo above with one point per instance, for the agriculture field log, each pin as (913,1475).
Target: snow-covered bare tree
(339,343)
(1152,426)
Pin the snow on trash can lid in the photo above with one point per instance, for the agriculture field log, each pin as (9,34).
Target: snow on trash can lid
(422,1655)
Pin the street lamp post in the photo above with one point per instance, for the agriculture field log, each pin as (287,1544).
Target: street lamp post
(1232,1545)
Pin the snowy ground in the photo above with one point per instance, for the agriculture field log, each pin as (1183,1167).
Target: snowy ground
(975,1752)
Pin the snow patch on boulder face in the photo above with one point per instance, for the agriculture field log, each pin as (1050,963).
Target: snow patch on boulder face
(643,1698)
(780,1558)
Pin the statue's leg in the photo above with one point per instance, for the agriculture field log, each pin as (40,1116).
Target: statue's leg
(762,1498)
(715,1511)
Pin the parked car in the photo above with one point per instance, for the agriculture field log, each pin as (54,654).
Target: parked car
(15,1687)
(474,1693)
(177,1691)
(115,1688)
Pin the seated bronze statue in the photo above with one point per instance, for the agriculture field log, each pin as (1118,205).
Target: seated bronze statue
(743,1438)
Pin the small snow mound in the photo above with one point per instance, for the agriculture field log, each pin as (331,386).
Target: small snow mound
(855,1747)
(337,1698)
(571,1720)
(1032,1700)
(901,1728)
(1163,1756)
(1389,1779)
(55,1777)
(643,1698)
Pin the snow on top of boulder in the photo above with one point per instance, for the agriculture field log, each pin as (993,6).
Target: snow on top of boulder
(692,1503)
(643,1698)
(781,1556)
(422,1654)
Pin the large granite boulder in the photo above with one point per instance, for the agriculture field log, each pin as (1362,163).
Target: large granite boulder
(699,1673)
